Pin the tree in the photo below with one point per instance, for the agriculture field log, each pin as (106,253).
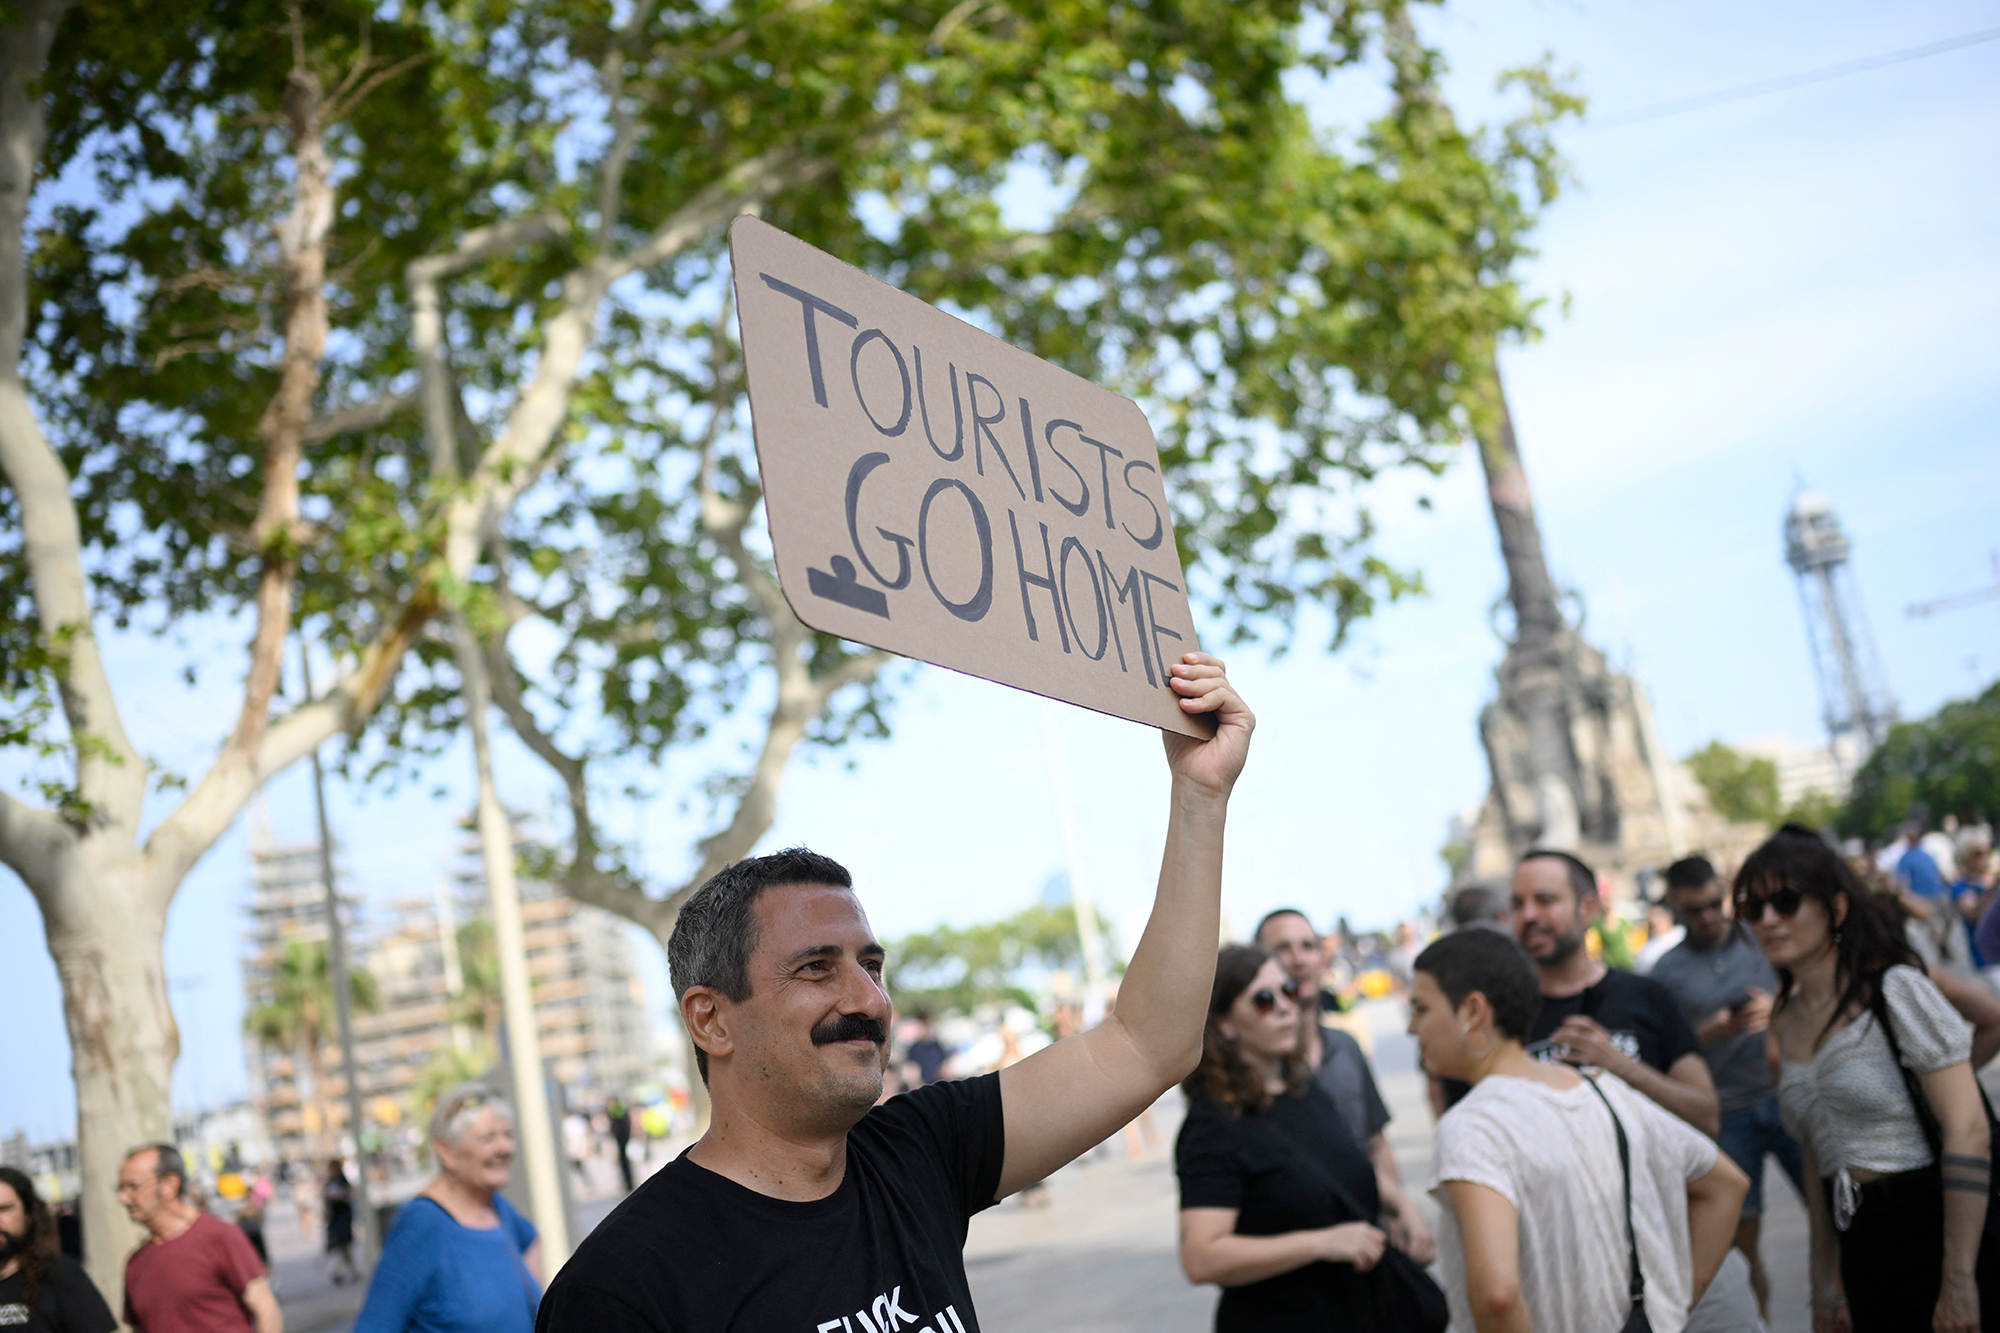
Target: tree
(1743,789)
(295,1013)
(1950,761)
(200,504)
(1000,962)
(396,328)
(1300,314)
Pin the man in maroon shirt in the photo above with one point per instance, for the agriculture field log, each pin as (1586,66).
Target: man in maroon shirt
(195,1273)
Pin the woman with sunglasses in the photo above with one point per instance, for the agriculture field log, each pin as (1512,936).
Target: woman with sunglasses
(460,1259)
(1896,1165)
(1280,1207)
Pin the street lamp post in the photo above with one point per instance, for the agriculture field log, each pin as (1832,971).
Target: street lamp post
(343,997)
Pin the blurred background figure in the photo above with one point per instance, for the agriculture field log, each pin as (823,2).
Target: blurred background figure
(460,1259)
(924,1051)
(1337,1063)
(1726,989)
(337,1195)
(577,1144)
(1664,931)
(250,1215)
(41,1289)
(1479,906)
(619,1117)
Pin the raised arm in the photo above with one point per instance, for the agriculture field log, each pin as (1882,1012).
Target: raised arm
(1065,1099)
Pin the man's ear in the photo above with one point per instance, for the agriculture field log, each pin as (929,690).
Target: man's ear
(706,1016)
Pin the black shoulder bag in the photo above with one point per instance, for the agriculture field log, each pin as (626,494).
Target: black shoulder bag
(1406,1298)
(1635,1318)
(1987,1265)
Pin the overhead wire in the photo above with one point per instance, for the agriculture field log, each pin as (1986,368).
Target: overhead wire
(1789,81)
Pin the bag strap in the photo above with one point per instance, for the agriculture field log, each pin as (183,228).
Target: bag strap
(1638,1284)
(1878,1005)
(1332,1183)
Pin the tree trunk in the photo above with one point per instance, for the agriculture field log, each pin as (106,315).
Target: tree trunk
(105,926)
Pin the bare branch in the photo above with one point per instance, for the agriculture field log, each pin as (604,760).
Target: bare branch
(302,246)
(361,416)
(513,461)
(745,187)
(111,775)
(626,127)
(185,835)
(35,844)
(483,243)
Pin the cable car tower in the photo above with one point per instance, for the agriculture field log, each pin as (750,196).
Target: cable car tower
(1857,709)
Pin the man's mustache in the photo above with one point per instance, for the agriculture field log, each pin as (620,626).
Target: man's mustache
(851,1027)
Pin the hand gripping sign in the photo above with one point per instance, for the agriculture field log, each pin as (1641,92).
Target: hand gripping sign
(941,494)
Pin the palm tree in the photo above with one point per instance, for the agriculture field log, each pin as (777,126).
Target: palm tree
(297,1014)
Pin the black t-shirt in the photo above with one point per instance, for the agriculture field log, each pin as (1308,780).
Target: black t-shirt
(691,1251)
(68,1302)
(1283,1169)
(1641,1014)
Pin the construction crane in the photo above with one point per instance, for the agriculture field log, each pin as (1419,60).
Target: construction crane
(1918,610)
(1858,711)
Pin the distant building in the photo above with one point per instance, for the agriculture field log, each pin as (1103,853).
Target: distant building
(589,1000)
(1826,769)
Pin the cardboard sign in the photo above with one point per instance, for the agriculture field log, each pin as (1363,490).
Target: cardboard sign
(941,494)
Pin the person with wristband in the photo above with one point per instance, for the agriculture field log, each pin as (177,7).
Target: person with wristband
(1875,1079)
(1571,1203)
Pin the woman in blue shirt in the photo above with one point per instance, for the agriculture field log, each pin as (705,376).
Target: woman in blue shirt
(460,1259)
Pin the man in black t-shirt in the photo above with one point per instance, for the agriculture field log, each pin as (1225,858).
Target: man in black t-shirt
(803,1210)
(1625,1024)
(42,1290)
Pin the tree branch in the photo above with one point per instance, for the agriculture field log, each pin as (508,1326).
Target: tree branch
(187,834)
(276,530)
(626,127)
(34,844)
(513,461)
(361,416)
(110,774)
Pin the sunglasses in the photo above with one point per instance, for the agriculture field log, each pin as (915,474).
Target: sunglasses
(1265,1000)
(1751,907)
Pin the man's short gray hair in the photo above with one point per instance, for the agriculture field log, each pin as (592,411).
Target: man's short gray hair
(167,1161)
(716,931)
(459,1106)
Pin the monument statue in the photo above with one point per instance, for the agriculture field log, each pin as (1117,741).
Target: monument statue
(1570,745)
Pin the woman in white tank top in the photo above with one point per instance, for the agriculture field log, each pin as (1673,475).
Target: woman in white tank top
(1897,1165)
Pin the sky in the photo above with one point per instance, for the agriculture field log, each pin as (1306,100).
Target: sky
(1792,289)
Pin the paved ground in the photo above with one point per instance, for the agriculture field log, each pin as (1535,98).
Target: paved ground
(1099,1256)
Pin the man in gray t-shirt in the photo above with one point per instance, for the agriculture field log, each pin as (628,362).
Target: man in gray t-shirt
(1725,986)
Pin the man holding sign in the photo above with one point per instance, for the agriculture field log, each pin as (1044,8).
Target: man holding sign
(808,1207)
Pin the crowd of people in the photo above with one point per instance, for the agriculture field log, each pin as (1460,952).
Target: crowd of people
(1601,1136)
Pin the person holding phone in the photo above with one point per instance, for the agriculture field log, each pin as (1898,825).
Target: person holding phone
(1726,987)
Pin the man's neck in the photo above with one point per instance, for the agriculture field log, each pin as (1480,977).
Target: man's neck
(11,1267)
(775,1161)
(1311,1045)
(172,1221)
(1572,976)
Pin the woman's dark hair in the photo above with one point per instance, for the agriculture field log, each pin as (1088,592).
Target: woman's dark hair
(1867,943)
(38,1254)
(1493,965)
(1223,1075)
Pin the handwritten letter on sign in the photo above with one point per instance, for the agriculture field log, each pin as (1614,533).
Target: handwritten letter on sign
(941,494)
